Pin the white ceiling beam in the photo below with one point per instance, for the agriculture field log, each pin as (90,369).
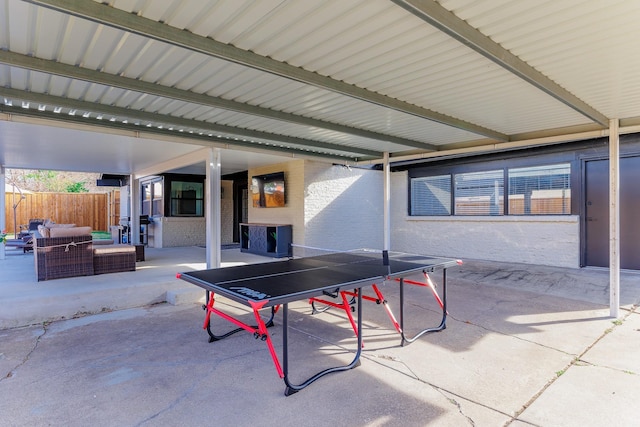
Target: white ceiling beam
(133,115)
(447,22)
(503,146)
(196,156)
(140,86)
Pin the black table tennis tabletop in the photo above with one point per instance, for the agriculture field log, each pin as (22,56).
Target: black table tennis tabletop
(295,279)
(275,284)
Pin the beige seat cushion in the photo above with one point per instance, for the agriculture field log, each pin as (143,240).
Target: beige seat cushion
(71,231)
(44,231)
(112,249)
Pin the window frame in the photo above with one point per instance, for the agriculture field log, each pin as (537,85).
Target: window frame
(448,208)
(148,187)
(169,179)
(499,174)
(504,162)
(527,205)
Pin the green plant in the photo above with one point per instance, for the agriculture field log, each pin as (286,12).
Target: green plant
(76,187)
(3,236)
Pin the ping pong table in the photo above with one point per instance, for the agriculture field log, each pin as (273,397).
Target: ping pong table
(275,284)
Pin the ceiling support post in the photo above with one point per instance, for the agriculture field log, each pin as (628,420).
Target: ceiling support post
(134,209)
(387,203)
(212,208)
(614,218)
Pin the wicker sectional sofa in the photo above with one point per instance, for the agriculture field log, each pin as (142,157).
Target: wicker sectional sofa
(75,254)
(57,257)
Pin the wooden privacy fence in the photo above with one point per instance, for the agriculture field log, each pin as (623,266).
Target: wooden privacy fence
(82,209)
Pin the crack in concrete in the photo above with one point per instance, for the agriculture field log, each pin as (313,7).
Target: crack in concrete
(576,361)
(26,358)
(457,404)
(442,391)
(193,387)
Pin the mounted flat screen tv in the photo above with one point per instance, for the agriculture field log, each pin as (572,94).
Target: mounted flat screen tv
(268,191)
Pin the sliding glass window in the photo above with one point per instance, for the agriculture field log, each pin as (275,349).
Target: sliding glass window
(540,190)
(187,198)
(431,195)
(479,193)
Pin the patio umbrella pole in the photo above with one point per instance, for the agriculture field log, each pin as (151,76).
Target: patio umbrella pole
(15,207)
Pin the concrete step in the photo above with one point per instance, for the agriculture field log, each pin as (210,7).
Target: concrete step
(188,295)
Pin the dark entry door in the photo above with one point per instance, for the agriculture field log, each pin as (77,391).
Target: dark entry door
(597,213)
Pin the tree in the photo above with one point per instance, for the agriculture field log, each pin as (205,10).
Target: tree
(76,187)
(54,181)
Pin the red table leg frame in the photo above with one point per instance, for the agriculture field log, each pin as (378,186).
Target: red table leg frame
(379,299)
(260,331)
(346,305)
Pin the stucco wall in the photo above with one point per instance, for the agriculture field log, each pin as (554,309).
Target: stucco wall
(168,232)
(292,213)
(547,240)
(226,213)
(179,232)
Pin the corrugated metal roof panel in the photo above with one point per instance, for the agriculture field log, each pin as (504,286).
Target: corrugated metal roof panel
(379,47)
(111,51)
(583,46)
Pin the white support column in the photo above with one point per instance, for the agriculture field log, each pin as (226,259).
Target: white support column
(614,218)
(134,209)
(387,203)
(3,216)
(212,211)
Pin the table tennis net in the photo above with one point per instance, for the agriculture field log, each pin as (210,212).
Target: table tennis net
(344,256)
(302,251)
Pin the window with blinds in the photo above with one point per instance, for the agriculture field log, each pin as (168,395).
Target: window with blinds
(431,195)
(540,190)
(479,193)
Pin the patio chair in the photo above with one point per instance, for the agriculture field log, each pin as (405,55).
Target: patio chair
(25,243)
(26,234)
(29,229)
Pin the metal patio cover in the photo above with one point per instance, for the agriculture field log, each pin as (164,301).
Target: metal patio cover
(122,86)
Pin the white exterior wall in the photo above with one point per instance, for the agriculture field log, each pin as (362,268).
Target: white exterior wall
(343,207)
(547,240)
(328,206)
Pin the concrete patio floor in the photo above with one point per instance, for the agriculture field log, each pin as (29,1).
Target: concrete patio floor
(524,346)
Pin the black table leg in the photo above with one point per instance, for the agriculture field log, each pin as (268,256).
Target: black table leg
(443,321)
(294,388)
